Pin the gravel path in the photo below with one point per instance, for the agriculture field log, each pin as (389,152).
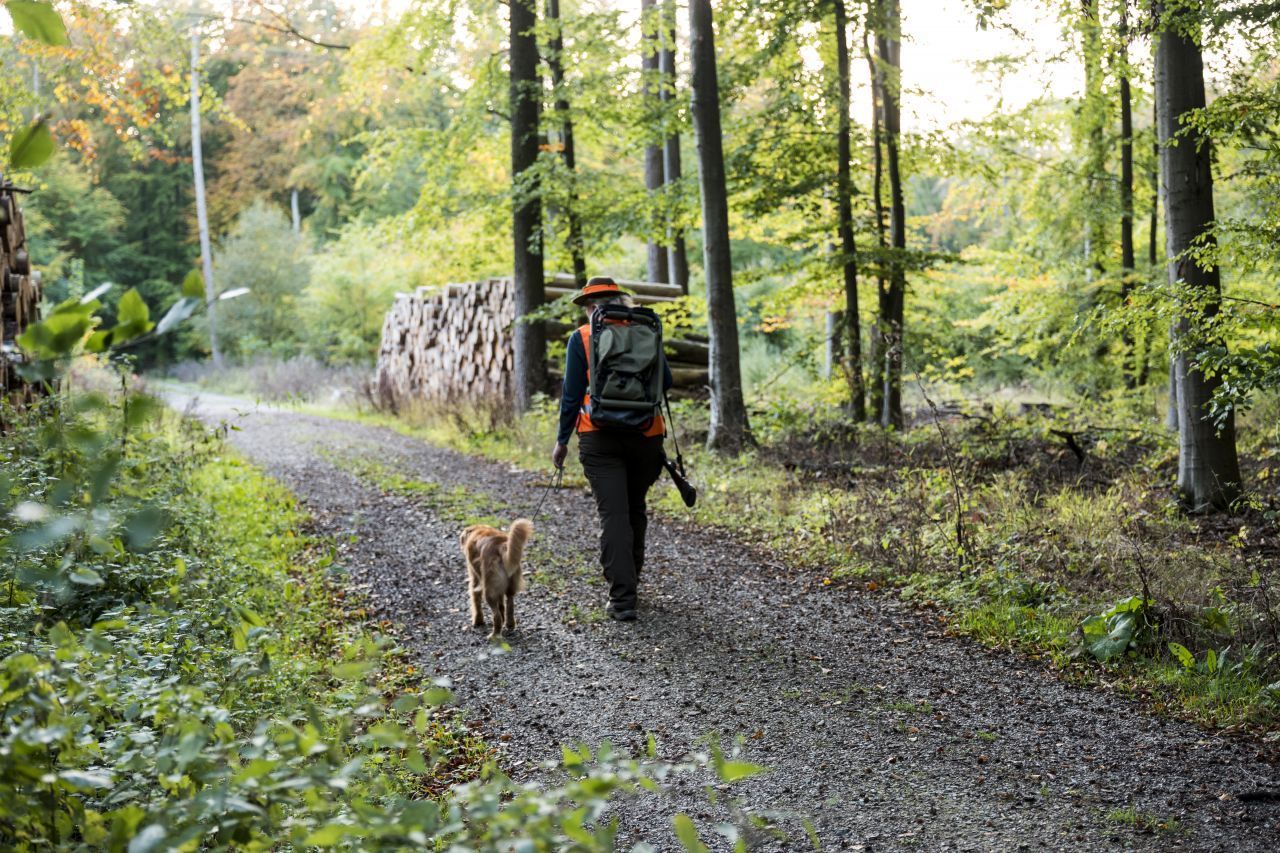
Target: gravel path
(875,726)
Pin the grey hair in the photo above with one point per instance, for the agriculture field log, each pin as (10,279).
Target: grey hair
(623,299)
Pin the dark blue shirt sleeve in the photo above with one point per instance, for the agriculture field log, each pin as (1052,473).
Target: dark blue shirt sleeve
(575,386)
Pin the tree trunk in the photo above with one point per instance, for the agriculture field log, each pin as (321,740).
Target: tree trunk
(202,215)
(1127,262)
(295,212)
(677,254)
(556,63)
(1094,118)
(654,169)
(729,431)
(852,332)
(526,97)
(1208,469)
(876,345)
(889,47)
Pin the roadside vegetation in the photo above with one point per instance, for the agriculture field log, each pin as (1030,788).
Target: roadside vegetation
(1053,533)
(183,666)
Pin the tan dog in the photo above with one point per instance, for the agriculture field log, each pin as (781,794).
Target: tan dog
(493,571)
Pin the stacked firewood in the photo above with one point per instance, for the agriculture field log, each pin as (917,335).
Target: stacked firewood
(454,344)
(19,295)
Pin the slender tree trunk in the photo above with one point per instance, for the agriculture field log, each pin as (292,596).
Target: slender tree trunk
(526,98)
(1171,414)
(677,254)
(294,212)
(1153,256)
(876,345)
(852,332)
(1094,118)
(555,62)
(654,169)
(1208,469)
(1127,262)
(202,215)
(1157,201)
(730,431)
(889,46)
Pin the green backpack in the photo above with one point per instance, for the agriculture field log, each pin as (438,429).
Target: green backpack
(626,367)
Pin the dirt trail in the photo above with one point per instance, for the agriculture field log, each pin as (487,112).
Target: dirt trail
(879,729)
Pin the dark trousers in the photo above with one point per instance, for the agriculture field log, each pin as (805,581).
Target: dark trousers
(621,466)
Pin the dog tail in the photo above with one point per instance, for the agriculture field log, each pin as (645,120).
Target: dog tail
(521,530)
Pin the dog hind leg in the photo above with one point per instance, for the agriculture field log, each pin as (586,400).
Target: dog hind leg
(475,591)
(496,605)
(510,606)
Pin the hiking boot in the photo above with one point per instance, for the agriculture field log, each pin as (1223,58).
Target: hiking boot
(621,613)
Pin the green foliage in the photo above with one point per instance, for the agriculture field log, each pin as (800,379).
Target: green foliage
(37,20)
(264,254)
(1109,634)
(31,146)
(180,668)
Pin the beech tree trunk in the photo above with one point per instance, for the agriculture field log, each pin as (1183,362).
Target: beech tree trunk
(852,332)
(889,47)
(730,431)
(876,345)
(529,339)
(556,64)
(202,216)
(654,169)
(677,254)
(1127,261)
(1208,469)
(1094,118)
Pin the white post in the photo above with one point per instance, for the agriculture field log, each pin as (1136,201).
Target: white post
(202,216)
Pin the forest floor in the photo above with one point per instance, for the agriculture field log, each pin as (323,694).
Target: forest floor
(878,729)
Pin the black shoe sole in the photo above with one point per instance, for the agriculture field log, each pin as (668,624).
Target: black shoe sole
(622,615)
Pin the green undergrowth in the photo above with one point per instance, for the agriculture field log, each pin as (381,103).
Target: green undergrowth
(455,503)
(1048,547)
(183,667)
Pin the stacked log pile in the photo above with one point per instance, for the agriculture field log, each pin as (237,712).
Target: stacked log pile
(453,344)
(19,295)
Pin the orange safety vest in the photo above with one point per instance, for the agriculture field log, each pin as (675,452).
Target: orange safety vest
(657,427)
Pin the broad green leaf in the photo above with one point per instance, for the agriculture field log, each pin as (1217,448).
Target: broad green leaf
(179,311)
(1211,661)
(39,21)
(149,839)
(30,146)
(353,671)
(327,836)
(1113,644)
(1132,604)
(85,779)
(144,526)
(1183,654)
(415,762)
(193,285)
(688,834)
(732,771)
(406,703)
(131,308)
(133,318)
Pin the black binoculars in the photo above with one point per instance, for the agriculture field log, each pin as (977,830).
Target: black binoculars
(687,492)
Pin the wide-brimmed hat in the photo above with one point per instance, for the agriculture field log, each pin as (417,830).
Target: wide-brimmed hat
(600,285)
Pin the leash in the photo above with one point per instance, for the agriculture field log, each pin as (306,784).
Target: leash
(555,483)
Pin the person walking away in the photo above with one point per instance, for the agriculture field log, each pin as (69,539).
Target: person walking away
(621,462)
